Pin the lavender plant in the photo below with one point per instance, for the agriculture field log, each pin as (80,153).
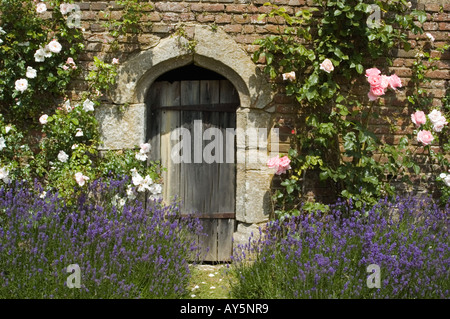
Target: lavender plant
(326,256)
(124,248)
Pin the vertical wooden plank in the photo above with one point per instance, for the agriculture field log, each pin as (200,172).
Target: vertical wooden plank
(225,230)
(209,92)
(211,170)
(193,183)
(227,171)
(209,240)
(169,94)
(170,120)
(228,93)
(190,93)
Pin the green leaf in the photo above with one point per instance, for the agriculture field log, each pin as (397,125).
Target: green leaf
(289,189)
(359,68)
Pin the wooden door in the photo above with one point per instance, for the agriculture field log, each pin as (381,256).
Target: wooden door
(205,179)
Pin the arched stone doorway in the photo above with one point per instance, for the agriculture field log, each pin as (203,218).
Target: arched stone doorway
(217,52)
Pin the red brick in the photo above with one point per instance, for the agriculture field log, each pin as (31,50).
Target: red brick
(444,26)
(430,26)
(248,28)
(439,74)
(241,19)
(97,6)
(232,28)
(223,18)
(205,18)
(441,17)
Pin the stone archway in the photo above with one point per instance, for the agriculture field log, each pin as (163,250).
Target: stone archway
(216,51)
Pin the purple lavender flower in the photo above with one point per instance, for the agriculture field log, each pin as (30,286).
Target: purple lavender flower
(323,255)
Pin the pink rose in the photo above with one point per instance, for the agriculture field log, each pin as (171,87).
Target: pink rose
(377,90)
(425,137)
(273,162)
(374,80)
(439,124)
(283,165)
(372,97)
(418,118)
(115,61)
(372,72)
(327,66)
(394,82)
(384,82)
(70,61)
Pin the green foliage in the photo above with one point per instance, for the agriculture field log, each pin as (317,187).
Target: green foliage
(102,77)
(336,131)
(132,12)
(21,39)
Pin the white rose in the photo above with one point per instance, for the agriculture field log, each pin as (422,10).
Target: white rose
(327,65)
(54,46)
(88,105)
(21,85)
(39,55)
(2,143)
(289,76)
(80,178)
(145,148)
(66,106)
(41,7)
(62,156)
(79,132)
(447,180)
(141,156)
(156,189)
(31,73)
(63,7)
(430,37)
(435,116)
(43,119)
(4,174)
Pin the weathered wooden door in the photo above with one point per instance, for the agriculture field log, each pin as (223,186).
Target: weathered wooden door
(191,129)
